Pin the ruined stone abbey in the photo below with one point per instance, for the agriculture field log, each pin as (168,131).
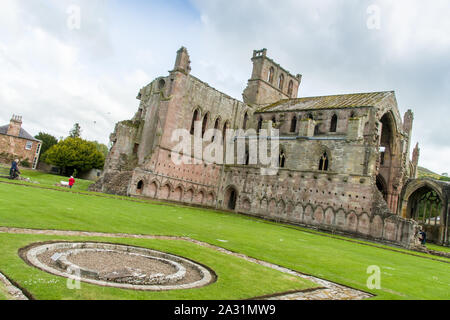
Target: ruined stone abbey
(343,159)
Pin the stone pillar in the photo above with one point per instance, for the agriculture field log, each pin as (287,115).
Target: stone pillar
(307,127)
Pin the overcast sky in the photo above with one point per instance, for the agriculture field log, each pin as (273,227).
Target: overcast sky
(55,72)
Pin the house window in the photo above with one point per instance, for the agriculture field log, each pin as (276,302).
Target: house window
(29,145)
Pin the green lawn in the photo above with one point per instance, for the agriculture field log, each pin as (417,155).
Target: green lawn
(437,248)
(402,276)
(236,278)
(46,179)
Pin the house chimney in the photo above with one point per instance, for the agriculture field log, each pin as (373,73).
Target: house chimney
(14,126)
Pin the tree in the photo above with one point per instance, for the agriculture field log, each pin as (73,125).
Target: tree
(76,131)
(103,148)
(75,154)
(47,142)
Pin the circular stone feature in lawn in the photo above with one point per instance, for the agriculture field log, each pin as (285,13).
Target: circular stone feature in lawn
(118,266)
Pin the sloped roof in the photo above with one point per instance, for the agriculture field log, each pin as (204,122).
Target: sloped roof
(23,134)
(328,102)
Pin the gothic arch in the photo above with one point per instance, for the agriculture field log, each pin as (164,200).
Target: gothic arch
(230,197)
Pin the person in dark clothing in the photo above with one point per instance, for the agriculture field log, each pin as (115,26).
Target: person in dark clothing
(422,236)
(14,171)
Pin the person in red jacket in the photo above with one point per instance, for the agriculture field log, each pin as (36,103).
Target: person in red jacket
(71,182)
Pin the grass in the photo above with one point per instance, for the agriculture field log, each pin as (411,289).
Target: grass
(437,248)
(237,279)
(49,180)
(402,276)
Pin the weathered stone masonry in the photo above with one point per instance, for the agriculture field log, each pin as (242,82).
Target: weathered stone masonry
(345,157)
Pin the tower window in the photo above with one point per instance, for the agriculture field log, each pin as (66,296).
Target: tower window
(194,119)
(282,159)
(290,87)
(204,124)
(244,125)
(281,82)
(323,163)
(270,77)
(294,124)
(333,126)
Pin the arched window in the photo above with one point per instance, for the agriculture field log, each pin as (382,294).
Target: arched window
(282,159)
(290,87)
(352,114)
(323,163)
(294,124)
(274,120)
(310,116)
(244,125)
(316,130)
(333,125)
(247,156)
(260,123)
(224,131)
(204,124)
(281,82)
(194,119)
(216,127)
(139,187)
(270,77)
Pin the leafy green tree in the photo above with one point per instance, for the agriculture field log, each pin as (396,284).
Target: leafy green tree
(76,131)
(47,142)
(75,154)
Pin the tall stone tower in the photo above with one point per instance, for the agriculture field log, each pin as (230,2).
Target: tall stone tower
(269,82)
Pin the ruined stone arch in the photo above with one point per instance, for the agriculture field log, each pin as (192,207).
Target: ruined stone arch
(210,198)
(364,224)
(377,227)
(329,216)
(196,116)
(199,196)
(177,194)
(205,123)
(294,121)
(426,201)
(272,206)
(140,187)
(340,219)
(246,204)
(152,189)
(289,208)
(318,215)
(308,214)
(298,211)
(245,121)
(165,191)
(352,221)
(188,195)
(281,207)
(264,204)
(230,197)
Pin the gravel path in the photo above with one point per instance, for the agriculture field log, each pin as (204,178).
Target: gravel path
(328,290)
